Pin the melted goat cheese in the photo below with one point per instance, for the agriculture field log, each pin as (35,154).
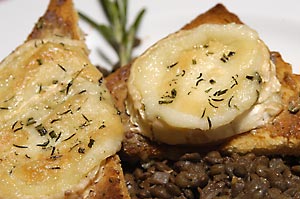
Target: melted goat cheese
(58,122)
(203,85)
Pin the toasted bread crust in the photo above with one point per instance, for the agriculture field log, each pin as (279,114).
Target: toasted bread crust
(60,19)
(112,184)
(281,136)
(216,15)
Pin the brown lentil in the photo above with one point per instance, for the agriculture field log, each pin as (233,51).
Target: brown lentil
(216,176)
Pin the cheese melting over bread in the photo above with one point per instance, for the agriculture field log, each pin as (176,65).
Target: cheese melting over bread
(58,122)
(203,85)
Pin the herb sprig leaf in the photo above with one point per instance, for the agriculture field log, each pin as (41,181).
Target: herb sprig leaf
(116,33)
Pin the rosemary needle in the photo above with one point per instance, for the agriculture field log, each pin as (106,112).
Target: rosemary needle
(116,33)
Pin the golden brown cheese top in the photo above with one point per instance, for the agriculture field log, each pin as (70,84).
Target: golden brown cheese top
(57,120)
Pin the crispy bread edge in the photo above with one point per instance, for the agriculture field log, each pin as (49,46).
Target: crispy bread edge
(60,19)
(112,184)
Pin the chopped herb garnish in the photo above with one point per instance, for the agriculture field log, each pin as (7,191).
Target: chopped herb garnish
(66,112)
(212,81)
(207,90)
(4,108)
(53,151)
(172,65)
(220,92)
(52,134)
(81,150)
(200,75)
(229,101)
(225,57)
(44,144)
(102,126)
(209,53)
(54,157)
(20,146)
(41,129)
(9,99)
(83,91)
(57,167)
(91,143)
(198,81)
(86,123)
(86,118)
(258,77)
(58,137)
(101,96)
(69,86)
(165,101)
(55,120)
(14,124)
(194,62)
(39,61)
(75,145)
(257,95)
(209,122)
(217,100)
(40,88)
(230,54)
(235,82)
(173,93)
(250,77)
(69,137)
(17,129)
(183,73)
(100,81)
(11,171)
(61,67)
(210,103)
(203,113)
(30,121)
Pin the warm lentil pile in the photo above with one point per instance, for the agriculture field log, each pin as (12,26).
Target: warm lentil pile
(214,175)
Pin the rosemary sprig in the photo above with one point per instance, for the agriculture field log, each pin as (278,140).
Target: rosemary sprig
(121,39)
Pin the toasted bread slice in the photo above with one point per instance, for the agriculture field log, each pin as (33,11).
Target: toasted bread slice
(59,128)
(281,136)
(60,19)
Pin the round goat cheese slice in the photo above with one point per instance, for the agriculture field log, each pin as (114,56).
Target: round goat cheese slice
(198,86)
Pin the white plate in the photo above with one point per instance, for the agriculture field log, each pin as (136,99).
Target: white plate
(277,22)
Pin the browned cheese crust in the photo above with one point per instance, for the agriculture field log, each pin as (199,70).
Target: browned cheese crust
(281,136)
(61,19)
